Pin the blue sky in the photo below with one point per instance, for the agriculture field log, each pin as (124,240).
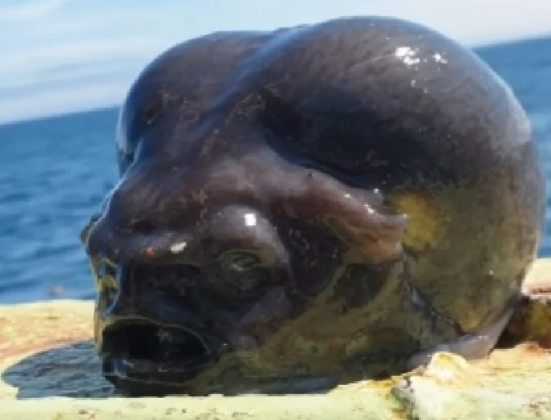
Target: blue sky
(59,56)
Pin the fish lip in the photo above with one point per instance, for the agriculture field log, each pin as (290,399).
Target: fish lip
(152,354)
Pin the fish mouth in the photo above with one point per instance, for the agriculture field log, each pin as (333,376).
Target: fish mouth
(152,359)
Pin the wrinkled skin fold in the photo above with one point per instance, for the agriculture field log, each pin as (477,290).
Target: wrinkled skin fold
(311,206)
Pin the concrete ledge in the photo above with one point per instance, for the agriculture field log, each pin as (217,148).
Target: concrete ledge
(364,406)
(49,370)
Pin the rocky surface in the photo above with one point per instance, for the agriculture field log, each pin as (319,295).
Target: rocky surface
(49,370)
(532,321)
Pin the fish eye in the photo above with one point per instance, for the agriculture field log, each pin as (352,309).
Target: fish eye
(241,271)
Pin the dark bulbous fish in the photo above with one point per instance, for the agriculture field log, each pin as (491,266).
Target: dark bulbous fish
(311,206)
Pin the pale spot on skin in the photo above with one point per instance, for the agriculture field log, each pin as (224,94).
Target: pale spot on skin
(439,59)
(178,247)
(369,209)
(250,219)
(407,54)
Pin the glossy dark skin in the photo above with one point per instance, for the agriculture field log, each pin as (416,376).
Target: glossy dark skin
(311,206)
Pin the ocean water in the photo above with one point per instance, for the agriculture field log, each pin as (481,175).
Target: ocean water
(55,173)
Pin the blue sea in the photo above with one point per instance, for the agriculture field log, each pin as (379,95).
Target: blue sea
(56,171)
